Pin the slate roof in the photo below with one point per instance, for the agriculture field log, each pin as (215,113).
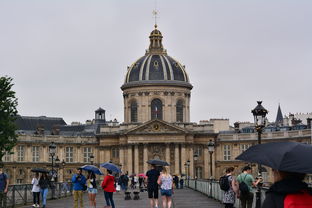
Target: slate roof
(31,123)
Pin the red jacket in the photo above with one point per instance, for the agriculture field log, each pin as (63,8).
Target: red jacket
(108,184)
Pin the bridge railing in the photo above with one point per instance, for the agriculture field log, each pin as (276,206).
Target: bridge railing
(21,194)
(211,188)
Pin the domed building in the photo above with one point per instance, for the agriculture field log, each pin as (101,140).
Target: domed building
(157,92)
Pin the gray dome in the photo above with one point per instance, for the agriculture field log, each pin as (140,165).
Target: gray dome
(156,67)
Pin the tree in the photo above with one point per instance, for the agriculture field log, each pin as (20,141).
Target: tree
(8,114)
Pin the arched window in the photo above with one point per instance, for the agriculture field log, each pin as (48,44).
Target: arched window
(156,109)
(179,111)
(134,111)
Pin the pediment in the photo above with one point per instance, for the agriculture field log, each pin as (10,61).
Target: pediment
(157,127)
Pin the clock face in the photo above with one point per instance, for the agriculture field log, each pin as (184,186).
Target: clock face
(156,126)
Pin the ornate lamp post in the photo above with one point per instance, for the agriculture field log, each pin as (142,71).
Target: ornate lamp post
(187,164)
(195,156)
(63,168)
(259,114)
(52,151)
(91,159)
(57,165)
(211,148)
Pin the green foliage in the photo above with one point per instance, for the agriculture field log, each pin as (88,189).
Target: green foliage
(8,113)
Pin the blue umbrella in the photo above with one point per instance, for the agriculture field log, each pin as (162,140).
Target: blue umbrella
(92,168)
(111,166)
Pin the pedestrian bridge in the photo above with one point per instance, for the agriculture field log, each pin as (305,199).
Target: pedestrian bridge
(201,193)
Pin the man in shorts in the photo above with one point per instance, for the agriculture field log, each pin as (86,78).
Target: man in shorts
(152,186)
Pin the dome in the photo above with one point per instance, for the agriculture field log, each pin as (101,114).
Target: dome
(156,67)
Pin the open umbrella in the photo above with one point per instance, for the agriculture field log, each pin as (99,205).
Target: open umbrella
(92,168)
(142,175)
(158,162)
(39,170)
(283,156)
(111,166)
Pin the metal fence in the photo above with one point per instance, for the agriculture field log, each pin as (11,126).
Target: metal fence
(21,194)
(211,188)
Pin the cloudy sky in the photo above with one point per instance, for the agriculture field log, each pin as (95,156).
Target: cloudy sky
(69,57)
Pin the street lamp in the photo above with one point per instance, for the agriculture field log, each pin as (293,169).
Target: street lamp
(52,151)
(187,165)
(195,156)
(259,114)
(57,165)
(91,159)
(63,168)
(211,148)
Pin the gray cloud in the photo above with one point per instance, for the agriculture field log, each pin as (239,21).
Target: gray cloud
(68,58)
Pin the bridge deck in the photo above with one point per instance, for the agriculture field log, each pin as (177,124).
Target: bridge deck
(183,198)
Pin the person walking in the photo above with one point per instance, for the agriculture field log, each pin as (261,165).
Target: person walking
(247,178)
(44,184)
(108,186)
(4,184)
(176,181)
(92,189)
(181,182)
(152,186)
(36,190)
(229,195)
(79,182)
(288,188)
(166,189)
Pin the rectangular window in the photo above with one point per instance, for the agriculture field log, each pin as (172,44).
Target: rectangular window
(7,157)
(87,152)
(115,153)
(35,153)
(244,147)
(198,151)
(69,154)
(227,152)
(20,153)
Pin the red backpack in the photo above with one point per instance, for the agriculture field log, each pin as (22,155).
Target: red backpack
(298,200)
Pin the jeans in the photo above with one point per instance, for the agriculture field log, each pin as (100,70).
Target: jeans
(228,205)
(78,197)
(36,197)
(109,199)
(44,194)
(246,201)
(3,199)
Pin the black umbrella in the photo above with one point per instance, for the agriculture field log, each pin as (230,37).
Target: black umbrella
(283,156)
(158,162)
(39,170)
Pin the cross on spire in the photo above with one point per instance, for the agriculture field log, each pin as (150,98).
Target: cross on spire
(155,13)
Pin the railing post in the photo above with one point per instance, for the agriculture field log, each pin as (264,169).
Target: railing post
(25,194)
(13,196)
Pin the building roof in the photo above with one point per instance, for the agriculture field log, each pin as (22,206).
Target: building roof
(31,123)
(279,116)
(156,67)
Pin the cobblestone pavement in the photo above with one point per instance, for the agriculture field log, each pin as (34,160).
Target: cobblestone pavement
(183,198)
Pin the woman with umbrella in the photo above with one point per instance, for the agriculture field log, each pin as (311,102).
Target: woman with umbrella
(44,183)
(91,182)
(108,183)
(290,161)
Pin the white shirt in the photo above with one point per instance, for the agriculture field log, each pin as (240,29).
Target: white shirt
(35,183)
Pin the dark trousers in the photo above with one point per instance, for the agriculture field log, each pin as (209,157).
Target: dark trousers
(3,199)
(109,199)
(246,201)
(36,197)
(228,205)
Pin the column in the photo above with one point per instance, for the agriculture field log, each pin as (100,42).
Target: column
(107,155)
(136,159)
(176,159)
(122,156)
(129,162)
(168,153)
(206,163)
(102,156)
(145,159)
(45,154)
(191,162)
(28,152)
(183,158)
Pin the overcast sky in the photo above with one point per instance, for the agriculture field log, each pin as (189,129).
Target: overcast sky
(68,58)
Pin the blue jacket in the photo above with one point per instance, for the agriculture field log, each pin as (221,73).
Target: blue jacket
(78,182)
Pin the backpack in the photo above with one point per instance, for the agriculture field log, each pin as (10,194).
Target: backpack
(298,200)
(224,183)
(243,188)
